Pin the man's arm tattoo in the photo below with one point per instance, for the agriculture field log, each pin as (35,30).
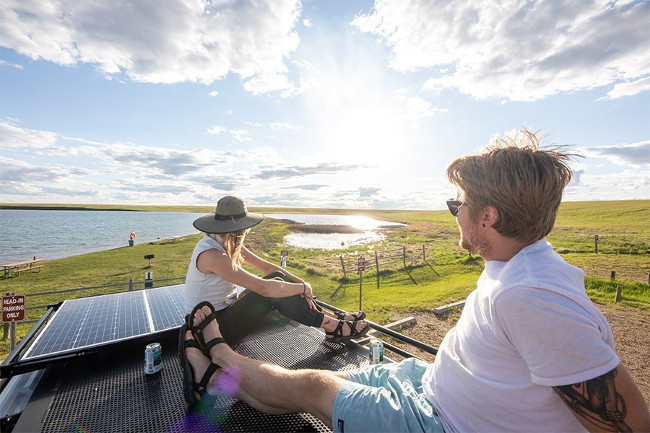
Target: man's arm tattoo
(597,401)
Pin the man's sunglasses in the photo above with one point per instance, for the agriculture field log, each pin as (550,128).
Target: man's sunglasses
(453,206)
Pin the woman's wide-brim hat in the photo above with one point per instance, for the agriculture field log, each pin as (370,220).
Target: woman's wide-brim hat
(231,216)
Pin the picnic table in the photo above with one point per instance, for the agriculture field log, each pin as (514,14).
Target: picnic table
(27,265)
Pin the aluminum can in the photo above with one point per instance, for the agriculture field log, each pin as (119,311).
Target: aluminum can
(376,355)
(152,358)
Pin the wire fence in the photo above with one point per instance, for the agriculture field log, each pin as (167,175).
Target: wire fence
(391,259)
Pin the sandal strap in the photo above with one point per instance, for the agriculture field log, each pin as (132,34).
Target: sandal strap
(341,315)
(203,383)
(191,343)
(210,344)
(205,322)
(338,332)
(353,328)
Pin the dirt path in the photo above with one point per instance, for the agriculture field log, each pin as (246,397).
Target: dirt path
(631,328)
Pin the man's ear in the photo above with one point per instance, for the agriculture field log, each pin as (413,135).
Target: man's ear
(490,216)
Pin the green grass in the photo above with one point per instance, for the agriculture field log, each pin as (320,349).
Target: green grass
(449,275)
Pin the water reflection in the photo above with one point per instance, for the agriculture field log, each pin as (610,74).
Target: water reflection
(369,230)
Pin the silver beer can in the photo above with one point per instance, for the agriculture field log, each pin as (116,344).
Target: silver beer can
(152,358)
(376,355)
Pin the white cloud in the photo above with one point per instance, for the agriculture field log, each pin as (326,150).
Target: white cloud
(281,126)
(628,88)
(307,22)
(633,155)
(626,185)
(516,49)
(368,191)
(241,134)
(414,107)
(213,94)
(168,42)
(5,63)
(216,130)
(13,137)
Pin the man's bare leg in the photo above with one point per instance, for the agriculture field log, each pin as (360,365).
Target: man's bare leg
(264,385)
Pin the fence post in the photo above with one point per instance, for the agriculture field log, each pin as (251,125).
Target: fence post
(131,288)
(343,266)
(596,242)
(424,254)
(619,292)
(404,256)
(613,275)
(377,267)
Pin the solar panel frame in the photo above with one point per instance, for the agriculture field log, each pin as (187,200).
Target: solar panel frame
(84,323)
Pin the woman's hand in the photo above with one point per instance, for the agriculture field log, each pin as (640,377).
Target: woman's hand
(308,295)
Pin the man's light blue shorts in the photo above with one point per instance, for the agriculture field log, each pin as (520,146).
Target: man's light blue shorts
(385,398)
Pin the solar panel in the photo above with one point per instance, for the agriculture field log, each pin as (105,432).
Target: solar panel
(89,322)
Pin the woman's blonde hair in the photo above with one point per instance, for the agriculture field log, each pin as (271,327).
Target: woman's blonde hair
(520,178)
(232,243)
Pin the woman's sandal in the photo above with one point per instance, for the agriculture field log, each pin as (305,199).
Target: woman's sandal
(341,315)
(197,330)
(189,386)
(337,334)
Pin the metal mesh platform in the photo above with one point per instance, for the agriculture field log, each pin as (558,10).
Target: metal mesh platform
(109,392)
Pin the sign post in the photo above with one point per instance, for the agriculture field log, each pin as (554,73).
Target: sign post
(283,260)
(361,266)
(13,310)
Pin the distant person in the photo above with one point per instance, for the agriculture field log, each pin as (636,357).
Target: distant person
(530,351)
(215,271)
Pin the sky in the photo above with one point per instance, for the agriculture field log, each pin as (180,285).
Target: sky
(313,103)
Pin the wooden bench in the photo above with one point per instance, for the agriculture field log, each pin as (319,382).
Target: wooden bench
(27,265)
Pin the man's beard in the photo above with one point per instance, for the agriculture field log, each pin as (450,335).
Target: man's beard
(475,242)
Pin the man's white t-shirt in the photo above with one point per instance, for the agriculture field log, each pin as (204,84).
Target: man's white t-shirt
(527,327)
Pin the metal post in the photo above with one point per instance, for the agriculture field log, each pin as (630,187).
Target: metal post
(343,266)
(377,267)
(360,289)
(424,254)
(12,336)
(404,256)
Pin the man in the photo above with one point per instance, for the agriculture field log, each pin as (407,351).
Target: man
(530,352)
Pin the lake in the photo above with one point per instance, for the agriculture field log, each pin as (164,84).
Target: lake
(331,241)
(54,234)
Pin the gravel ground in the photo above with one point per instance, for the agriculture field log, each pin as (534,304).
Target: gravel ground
(630,327)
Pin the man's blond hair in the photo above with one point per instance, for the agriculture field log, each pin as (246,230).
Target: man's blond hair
(519,177)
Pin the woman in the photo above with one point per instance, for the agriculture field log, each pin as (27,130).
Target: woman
(215,272)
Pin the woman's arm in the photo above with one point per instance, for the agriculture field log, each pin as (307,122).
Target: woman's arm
(611,402)
(264,266)
(213,261)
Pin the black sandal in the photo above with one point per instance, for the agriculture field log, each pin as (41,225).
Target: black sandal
(341,315)
(189,386)
(197,330)
(337,334)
